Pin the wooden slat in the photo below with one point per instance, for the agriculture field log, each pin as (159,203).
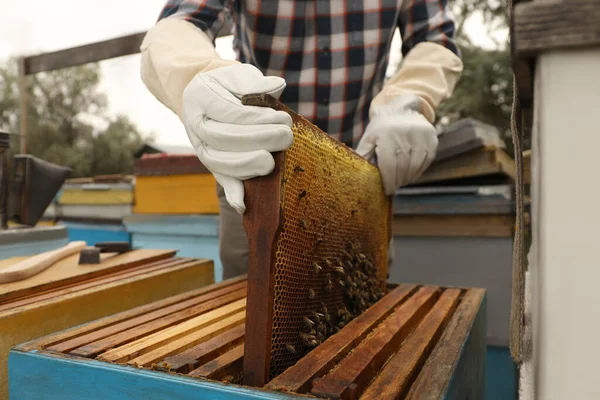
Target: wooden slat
(93,282)
(151,342)
(434,378)
(195,356)
(186,320)
(557,25)
(395,378)
(68,271)
(298,377)
(229,363)
(125,315)
(145,324)
(171,347)
(353,373)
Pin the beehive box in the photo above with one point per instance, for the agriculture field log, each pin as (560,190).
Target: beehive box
(66,294)
(418,341)
(174,184)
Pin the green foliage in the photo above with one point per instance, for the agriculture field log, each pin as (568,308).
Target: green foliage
(67,123)
(484,91)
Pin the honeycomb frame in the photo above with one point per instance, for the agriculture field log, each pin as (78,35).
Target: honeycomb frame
(306,223)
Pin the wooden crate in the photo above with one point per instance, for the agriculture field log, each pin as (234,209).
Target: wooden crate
(67,295)
(418,342)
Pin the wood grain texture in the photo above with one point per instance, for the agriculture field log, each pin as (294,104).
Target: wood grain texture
(434,379)
(298,377)
(68,271)
(198,355)
(93,282)
(67,334)
(354,372)
(152,333)
(557,25)
(173,346)
(229,363)
(262,221)
(36,264)
(148,343)
(394,380)
(88,345)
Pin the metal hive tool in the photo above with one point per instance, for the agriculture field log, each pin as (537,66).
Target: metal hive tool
(318,231)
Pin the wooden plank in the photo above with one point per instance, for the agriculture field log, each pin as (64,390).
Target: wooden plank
(38,263)
(354,372)
(395,378)
(125,315)
(173,164)
(151,342)
(68,270)
(76,287)
(202,313)
(488,225)
(229,363)
(262,221)
(434,379)
(487,161)
(93,52)
(298,377)
(171,347)
(558,25)
(195,356)
(173,314)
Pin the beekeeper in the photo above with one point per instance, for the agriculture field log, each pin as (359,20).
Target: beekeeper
(324,59)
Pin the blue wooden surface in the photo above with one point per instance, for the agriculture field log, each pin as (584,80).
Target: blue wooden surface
(94,233)
(501,375)
(30,248)
(36,376)
(192,235)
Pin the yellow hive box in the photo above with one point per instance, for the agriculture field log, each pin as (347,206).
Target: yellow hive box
(176,194)
(67,294)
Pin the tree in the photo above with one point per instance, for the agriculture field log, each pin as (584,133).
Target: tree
(67,122)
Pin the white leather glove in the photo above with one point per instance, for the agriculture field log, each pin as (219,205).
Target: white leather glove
(232,140)
(400,140)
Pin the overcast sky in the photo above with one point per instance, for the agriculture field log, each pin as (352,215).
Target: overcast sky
(34,26)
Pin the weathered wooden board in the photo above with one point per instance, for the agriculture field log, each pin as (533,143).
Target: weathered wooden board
(68,271)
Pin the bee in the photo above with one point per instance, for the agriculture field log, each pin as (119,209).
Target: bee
(339,270)
(311,294)
(299,168)
(302,194)
(328,263)
(324,308)
(303,224)
(308,322)
(341,282)
(316,268)
(354,211)
(290,349)
(319,240)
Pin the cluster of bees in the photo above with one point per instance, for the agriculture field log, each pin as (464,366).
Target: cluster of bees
(357,277)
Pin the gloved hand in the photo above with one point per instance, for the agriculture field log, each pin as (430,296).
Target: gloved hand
(401,141)
(232,140)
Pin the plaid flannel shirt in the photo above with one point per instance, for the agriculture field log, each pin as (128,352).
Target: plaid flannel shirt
(333,54)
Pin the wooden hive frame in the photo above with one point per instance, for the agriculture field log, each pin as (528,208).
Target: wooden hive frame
(266,221)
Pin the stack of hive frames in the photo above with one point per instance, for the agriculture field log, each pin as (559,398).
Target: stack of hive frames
(417,341)
(318,229)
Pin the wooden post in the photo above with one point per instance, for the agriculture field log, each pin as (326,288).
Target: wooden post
(564,262)
(23,105)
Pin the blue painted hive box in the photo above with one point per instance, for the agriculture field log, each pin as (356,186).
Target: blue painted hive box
(418,341)
(192,235)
